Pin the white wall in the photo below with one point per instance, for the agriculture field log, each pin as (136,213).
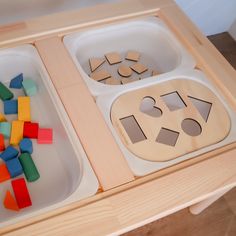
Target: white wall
(232,30)
(211,16)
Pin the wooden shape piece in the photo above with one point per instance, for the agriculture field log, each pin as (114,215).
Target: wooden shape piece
(2,144)
(9,153)
(24,108)
(21,193)
(14,167)
(30,130)
(94,63)
(155,72)
(124,71)
(139,68)
(113,81)
(5,129)
(128,80)
(5,93)
(132,56)
(2,118)
(16,82)
(100,75)
(30,87)
(45,136)
(113,58)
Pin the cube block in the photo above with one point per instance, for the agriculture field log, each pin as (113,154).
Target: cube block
(4,173)
(10,107)
(24,108)
(5,93)
(14,167)
(26,145)
(21,193)
(31,130)
(45,136)
(16,82)
(9,153)
(16,132)
(29,87)
(5,129)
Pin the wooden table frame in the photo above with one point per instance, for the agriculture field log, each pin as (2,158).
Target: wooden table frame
(135,203)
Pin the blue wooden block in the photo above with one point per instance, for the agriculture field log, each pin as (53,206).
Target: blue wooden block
(26,145)
(10,107)
(14,167)
(16,82)
(9,153)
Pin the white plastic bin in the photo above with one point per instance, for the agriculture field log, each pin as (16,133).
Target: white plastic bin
(159,49)
(140,166)
(66,175)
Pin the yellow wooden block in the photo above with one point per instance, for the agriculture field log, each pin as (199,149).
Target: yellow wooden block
(17,128)
(2,118)
(24,109)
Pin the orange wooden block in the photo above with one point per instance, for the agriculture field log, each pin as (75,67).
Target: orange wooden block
(10,202)
(4,173)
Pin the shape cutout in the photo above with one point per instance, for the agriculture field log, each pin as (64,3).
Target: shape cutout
(173,101)
(133,129)
(167,137)
(191,127)
(203,107)
(148,107)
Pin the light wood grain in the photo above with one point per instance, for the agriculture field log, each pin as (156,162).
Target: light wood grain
(214,130)
(109,164)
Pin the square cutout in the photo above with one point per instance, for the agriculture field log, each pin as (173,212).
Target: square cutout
(167,137)
(173,101)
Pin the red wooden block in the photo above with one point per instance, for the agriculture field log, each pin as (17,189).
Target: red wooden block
(4,173)
(30,130)
(10,202)
(2,145)
(45,136)
(21,193)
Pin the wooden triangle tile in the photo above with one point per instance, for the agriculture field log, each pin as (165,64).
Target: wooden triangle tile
(113,58)
(95,63)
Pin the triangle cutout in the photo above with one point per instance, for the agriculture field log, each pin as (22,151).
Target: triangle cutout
(95,63)
(10,202)
(202,106)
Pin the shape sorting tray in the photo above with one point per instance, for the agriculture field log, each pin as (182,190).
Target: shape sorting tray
(161,123)
(66,175)
(159,51)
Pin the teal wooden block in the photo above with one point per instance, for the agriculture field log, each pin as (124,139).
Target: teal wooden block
(5,93)
(5,129)
(30,87)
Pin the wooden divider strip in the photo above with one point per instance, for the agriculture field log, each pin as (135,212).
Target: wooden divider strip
(104,154)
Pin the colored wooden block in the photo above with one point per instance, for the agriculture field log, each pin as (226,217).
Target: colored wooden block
(16,82)
(14,167)
(10,107)
(2,118)
(30,87)
(21,193)
(26,145)
(2,144)
(10,202)
(16,132)
(5,129)
(29,168)
(4,173)
(24,108)
(5,93)
(45,136)
(30,130)
(9,153)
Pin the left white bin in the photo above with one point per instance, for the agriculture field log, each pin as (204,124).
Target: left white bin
(65,173)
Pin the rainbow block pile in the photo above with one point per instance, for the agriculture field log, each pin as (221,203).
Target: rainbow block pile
(15,158)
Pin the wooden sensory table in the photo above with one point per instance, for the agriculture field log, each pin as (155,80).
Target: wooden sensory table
(123,201)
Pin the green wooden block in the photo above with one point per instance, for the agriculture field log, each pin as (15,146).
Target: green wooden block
(5,129)
(29,87)
(5,93)
(29,168)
